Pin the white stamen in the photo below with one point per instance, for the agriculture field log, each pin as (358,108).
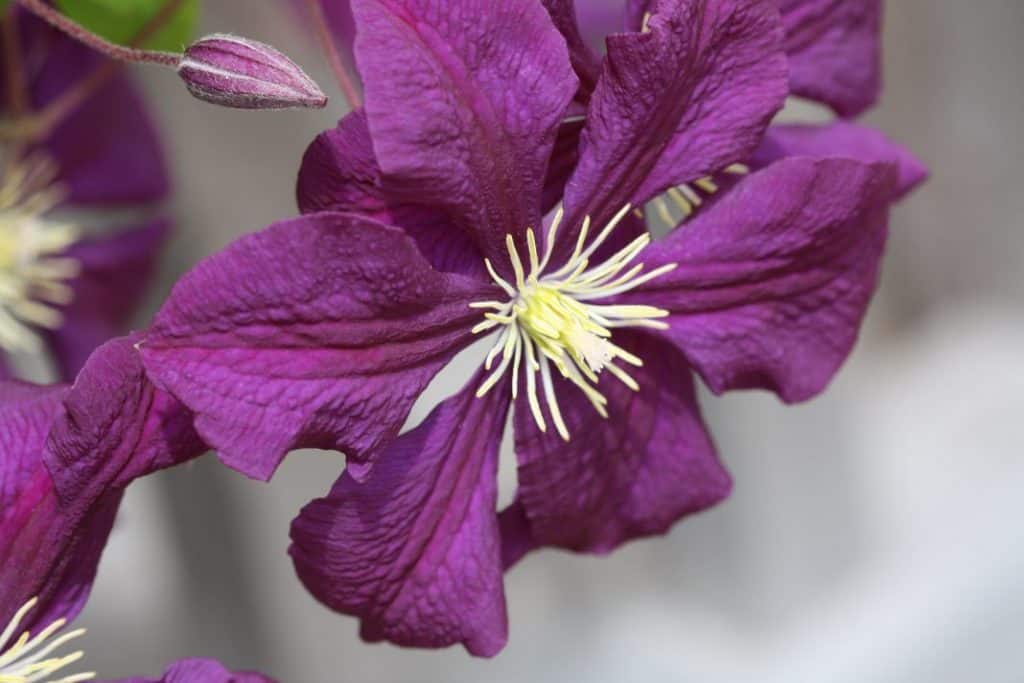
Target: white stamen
(687,198)
(25,661)
(33,273)
(548,320)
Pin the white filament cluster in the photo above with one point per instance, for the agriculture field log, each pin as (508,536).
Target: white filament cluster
(33,271)
(686,198)
(557,319)
(28,659)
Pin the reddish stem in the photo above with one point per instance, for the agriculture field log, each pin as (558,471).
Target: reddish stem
(101,45)
(16,87)
(341,74)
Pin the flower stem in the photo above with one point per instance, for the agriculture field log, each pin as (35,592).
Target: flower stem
(41,123)
(101,45)
(345,81)
(70,99)
(17,90)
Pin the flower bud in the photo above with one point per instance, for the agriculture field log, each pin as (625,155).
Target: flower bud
(246,74)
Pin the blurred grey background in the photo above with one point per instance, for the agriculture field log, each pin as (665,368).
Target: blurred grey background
(874,534)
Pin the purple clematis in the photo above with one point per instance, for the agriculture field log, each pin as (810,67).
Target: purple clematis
(64,287)
(202,671)
(833,51)
(833,46)
(424,231)
(95,437)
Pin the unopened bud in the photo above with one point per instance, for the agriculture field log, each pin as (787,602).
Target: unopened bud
(246,74)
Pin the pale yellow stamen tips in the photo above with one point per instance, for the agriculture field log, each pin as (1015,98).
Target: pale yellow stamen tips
(27,659)
(33,274)
(549,319)
(680,202)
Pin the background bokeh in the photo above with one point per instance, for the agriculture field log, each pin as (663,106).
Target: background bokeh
(874,534)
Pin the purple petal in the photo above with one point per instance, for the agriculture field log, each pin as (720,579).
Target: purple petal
(774,279)
(112,427)
(116,269)
(46,550)
(319,331)
(636,10)
(340,173)
(116,427)
(599,18)
(585,62)
(834,49)
(414,551)
(841,139)
(634,474)
(464,98)
(107,149)
(682,101)
(564,157)
(201,671)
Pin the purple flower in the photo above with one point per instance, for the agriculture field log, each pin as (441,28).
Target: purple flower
(65,290)
(833,51)
(833,46)
(202,671)
(93,438)
(68,453)
(321,331)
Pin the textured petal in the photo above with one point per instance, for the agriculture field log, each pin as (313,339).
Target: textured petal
(841,139)
(564,157)
(774,279)
(679,102)
(107,149)
(318,331)
(115,271)
(634,474)
(464,98)
(201,671)
(834,49)
(414,551)
(116,426)
(584,61)
(340,173)
(46,550)
(107,429)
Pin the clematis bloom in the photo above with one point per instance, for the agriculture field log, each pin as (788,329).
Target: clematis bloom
(424,231)
(67,455)
(66,288)
(833,53)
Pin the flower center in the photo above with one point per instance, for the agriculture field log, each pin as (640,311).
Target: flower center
(556,318)
(28,659)
(33,274)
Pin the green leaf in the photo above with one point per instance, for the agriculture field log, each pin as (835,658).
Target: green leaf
(121,20)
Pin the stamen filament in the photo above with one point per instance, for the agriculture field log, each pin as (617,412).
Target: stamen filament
(28,659)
